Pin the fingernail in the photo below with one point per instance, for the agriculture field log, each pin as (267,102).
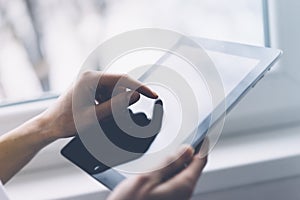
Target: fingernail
(155,94)
(159,102)
(204,150)
(187,150)
(190,152)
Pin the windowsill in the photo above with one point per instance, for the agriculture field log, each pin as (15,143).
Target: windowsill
(258,110)
(236,161)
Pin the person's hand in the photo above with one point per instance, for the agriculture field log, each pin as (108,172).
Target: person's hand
(58,119)
(23,143)
(175,181)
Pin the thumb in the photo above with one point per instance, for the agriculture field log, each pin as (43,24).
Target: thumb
(119,102)
(173,165)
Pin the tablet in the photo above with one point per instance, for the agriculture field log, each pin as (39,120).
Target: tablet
(240,68)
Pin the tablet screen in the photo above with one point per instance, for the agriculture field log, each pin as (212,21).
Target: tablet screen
(232,70)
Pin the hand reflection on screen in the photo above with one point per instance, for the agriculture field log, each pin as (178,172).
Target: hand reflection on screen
(77,153)
(127,141)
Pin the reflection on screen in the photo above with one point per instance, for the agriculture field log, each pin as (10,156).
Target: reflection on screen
(232,70)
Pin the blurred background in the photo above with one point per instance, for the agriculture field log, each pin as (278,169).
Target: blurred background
(44,42)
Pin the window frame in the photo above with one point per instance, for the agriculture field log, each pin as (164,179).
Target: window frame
(274,102)
(262,112)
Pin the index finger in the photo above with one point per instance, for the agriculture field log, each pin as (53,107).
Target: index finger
(128,82)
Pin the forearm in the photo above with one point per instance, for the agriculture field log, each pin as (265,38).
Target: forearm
(19,146)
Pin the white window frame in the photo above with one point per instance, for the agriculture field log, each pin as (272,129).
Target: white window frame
(274,102)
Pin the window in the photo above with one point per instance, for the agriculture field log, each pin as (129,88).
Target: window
(275,103)
(44,42)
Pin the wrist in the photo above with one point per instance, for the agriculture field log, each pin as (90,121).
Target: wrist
(32,136)
(42,129)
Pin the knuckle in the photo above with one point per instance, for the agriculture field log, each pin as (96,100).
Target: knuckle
(87,73)
(88,76)
(142,179)
(125,76)
(189,179)
(85,76)
(91,73)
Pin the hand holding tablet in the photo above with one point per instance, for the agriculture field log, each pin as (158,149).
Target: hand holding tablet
(173,181)
(240,67)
